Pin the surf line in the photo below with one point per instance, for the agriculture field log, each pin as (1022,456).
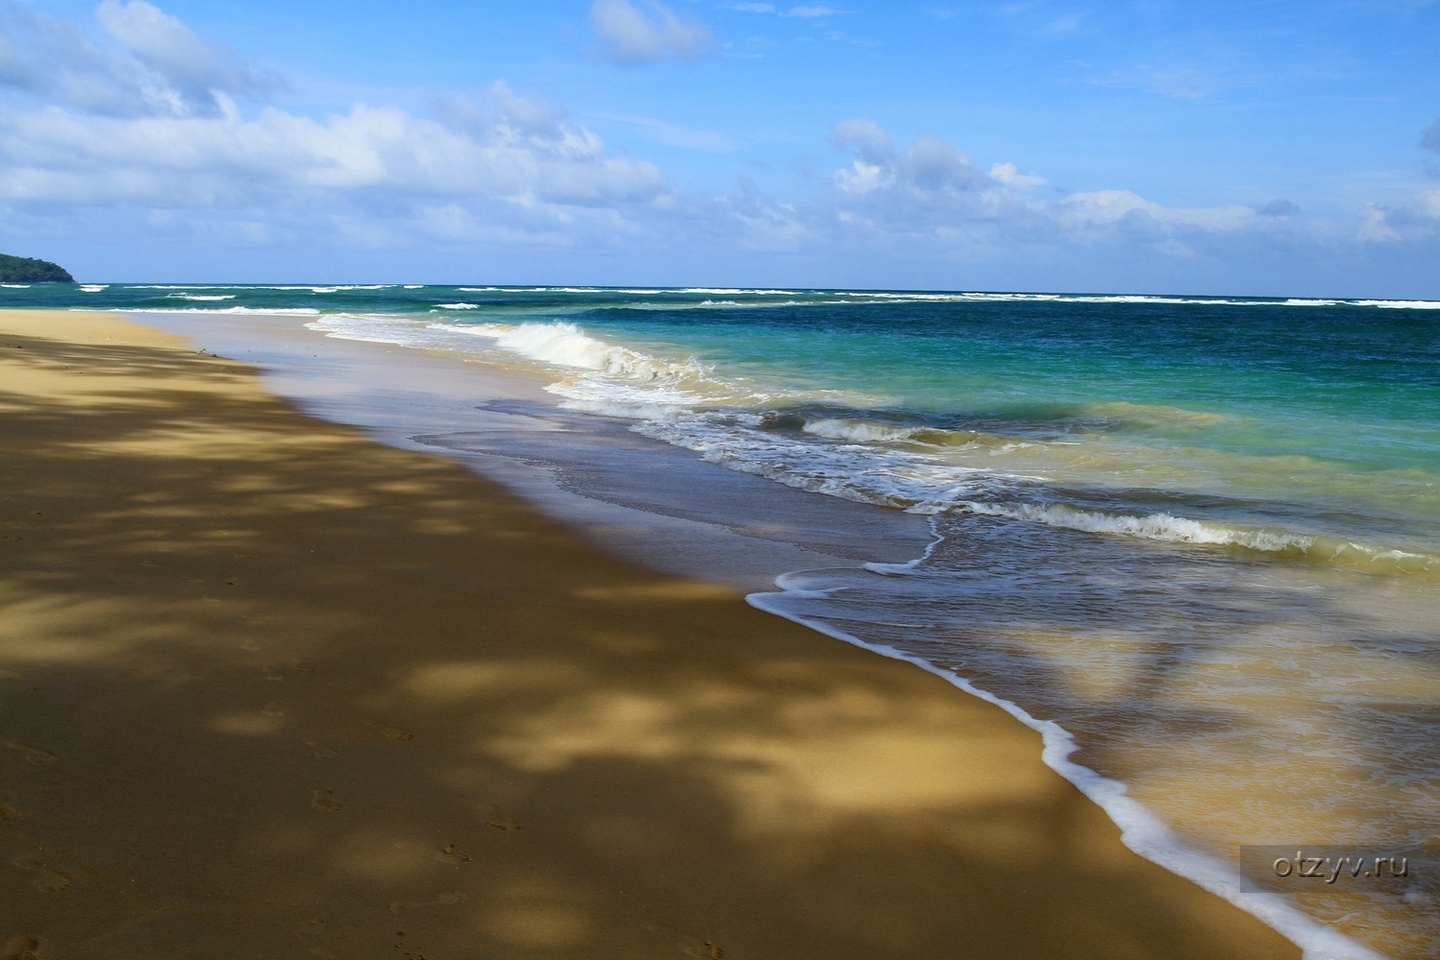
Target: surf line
(1140,829)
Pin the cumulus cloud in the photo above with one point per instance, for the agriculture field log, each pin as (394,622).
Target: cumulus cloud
(229,160)
(1100,208)
(196,70)
(1009,174)
(1415,220)
(630,35)
(156,64)
(929,183)
(155,125)
(933,192)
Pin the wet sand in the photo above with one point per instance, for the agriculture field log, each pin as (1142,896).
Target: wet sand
(268,689)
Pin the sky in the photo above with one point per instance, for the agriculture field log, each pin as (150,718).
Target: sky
(1137,146)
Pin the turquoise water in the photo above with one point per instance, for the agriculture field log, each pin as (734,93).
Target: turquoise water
(1201,536)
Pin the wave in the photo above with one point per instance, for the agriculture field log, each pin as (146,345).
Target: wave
(333,289)
(15,286)
(1173,529)
(566,345)
(904,466)
(457,306)
(94,287)
(1140,829)
(199,296)
(256,311)
(1400,304)
(859,431)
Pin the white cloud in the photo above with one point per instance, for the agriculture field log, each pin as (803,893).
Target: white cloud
(1430,203)
(630,35)
(749,7)
(932,192)
(1373,227)
(1106,207)
(195,69)
(1008,174)
(159,65)
(58,156)
(1414,220)
(864,135)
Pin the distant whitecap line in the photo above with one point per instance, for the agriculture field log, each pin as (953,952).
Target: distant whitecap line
(331,289)
(1400,304)
(257,311)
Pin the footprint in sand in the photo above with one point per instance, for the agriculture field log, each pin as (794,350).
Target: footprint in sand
(444,900)
(273,710)
(7,812)
(320,750)
(689,944)
(44,877)
(324,799)
(9,675)
(495,818)
(33,754)
(451,854)
(394,733)
(21,948)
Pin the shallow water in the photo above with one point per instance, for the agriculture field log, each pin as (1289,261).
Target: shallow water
(1201,535)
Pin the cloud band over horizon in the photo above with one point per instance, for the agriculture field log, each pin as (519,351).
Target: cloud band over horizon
(146,129)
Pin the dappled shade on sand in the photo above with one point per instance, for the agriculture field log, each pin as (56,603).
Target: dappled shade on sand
(270,689)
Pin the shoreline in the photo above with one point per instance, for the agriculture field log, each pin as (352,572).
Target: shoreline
(269,680)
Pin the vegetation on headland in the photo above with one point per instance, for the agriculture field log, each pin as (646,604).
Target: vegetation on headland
(31,270)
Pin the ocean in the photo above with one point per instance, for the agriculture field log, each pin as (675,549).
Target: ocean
(1195,542)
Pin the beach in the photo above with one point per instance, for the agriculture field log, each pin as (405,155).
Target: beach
(272,689)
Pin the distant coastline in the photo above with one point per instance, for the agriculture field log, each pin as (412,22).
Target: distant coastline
(31,270)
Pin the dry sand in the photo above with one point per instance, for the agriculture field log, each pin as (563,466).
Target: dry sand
(273,690)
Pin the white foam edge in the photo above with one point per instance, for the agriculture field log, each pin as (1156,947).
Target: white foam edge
(909,566)
(1140,830)
(251,311)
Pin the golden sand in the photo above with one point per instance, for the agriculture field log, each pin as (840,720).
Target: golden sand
(269,689)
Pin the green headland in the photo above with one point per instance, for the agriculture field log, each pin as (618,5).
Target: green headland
(30,270)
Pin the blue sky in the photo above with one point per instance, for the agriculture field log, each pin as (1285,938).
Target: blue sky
(1250,148)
